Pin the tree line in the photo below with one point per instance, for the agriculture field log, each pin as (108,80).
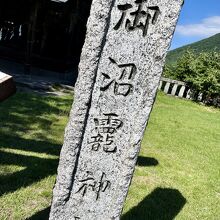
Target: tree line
(201,72)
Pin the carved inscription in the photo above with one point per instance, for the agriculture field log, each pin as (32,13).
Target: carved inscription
(140,18)
(122,84)
(90,183)
(121,63)
(105,129)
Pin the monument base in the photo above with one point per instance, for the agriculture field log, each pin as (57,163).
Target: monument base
(7,86)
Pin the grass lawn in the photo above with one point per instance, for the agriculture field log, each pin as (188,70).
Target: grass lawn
(178,170)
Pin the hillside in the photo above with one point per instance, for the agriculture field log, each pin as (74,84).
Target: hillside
(206,45)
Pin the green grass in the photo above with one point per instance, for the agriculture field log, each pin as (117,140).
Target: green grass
(184,138)
(178,170)
(31,134)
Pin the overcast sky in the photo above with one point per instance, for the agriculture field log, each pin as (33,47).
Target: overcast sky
(199,19)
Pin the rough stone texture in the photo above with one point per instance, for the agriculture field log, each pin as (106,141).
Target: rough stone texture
(120,71)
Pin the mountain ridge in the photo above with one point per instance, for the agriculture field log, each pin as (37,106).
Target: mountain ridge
(206,45)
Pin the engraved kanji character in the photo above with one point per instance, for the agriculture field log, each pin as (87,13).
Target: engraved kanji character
(105,128)
(142,18)
(96,142)
(121,86)
(90,183)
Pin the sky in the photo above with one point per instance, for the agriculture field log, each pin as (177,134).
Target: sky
(198,20)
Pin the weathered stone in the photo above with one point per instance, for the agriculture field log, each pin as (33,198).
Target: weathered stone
(189,94)
(160,85)
(120,69)
(182,90)
(200,96)
(167,86)
(174,89)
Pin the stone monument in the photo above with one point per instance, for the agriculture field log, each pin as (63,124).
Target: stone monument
(121,64)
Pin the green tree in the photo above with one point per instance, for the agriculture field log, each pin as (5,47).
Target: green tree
(200,71)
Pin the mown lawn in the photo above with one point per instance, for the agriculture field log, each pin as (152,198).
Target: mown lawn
(178,171)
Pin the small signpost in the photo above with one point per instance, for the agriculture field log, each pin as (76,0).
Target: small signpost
(120,69)
(7,86)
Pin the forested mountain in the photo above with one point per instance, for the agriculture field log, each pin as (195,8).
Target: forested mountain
(206,45)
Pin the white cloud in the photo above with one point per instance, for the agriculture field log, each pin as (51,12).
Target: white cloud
(207,27)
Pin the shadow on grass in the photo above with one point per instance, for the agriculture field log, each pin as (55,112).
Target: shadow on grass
(11,141)
(35,169)
(147,161)
(25,122)
(42,215)
(161,204)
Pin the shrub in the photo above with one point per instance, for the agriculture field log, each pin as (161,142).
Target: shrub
(200,71)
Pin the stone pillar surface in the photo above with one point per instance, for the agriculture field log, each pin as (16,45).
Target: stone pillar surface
(174,89)
(160,85)
(119,73)
(200,97)
(166,88)
(182,90)
(189,94)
